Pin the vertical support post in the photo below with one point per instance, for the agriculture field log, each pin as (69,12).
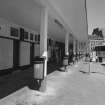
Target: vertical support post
(77,44)
(66,50)
(74,46)
(67,44)
(43,43)
(89,68)
(43,37)
(74,51)
(79,49)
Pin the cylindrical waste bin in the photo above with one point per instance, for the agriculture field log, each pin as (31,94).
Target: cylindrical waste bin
(65,61)
(38,65)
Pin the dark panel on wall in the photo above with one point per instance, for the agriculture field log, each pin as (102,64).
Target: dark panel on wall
(6,53)
(15,53)
(31,36)
(24,53)
(14,32)
(21,34)
(25,35)
(31,52)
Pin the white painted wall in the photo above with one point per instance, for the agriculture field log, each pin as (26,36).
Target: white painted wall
(24,53)
(6,46)
(74,14)
(5,28)
(36,50)
(6,54)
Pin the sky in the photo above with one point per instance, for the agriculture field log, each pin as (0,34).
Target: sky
(95,14)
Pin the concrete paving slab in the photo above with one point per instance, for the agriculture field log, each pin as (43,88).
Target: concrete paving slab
(69,88)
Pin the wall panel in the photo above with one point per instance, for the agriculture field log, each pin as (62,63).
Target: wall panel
(37,50)
(6,53)
(24,58)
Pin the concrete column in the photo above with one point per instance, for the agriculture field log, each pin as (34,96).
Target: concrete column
(81,46)
(43,37)
(77,47)
(74,46)
(67,44)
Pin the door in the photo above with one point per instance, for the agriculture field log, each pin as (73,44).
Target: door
(15,53)
(31,52)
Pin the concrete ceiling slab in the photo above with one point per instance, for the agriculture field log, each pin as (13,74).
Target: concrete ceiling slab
(74,14)
(27,13)
(70,13)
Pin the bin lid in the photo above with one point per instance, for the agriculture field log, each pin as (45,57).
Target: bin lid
(39,59)
(66,56)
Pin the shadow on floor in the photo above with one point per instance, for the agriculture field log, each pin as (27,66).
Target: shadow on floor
(99,73)
(62,70)
(14,81)
(92,72)
(84,72)
(53,67)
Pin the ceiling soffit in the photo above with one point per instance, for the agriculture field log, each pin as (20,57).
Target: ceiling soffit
(72,14)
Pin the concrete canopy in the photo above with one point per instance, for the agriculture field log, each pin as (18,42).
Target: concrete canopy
(70,13)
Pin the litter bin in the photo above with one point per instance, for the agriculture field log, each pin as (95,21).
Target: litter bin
(38,65)
(65,60)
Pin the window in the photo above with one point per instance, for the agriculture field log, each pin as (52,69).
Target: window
(21,33)
(14,32)
(31,36)
(25,35)
(39,38)
(36,37)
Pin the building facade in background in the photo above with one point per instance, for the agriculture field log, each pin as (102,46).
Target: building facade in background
(95,41)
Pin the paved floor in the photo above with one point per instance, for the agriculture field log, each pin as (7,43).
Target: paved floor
(75,87)
(15,81)
(79,88)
